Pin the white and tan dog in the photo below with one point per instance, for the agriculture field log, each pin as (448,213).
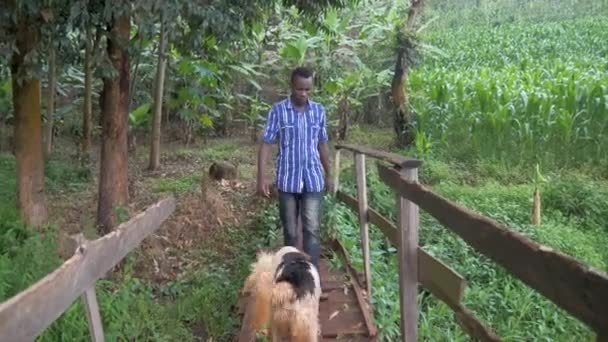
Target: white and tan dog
(295,299)
(286,289)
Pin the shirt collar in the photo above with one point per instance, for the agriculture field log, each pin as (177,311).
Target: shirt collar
(290,104)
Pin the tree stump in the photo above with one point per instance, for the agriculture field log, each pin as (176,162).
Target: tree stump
(223,170)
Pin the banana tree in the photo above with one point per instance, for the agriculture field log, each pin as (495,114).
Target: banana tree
(254,116)
(196,99)
(138,119)
(345,92)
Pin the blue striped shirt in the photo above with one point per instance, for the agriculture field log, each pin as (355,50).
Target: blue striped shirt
(298,166)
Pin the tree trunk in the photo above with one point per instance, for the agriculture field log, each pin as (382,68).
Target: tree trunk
(50,104)
(158,98)
(31,199)
(403,121)
(87,117)
(343,125)
(113,180)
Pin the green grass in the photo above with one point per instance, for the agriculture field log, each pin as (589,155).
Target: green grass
(573,213)
(174,184)
(128,307)
(131,308)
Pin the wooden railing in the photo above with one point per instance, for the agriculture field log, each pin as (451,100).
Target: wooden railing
(575,287)
(24,316)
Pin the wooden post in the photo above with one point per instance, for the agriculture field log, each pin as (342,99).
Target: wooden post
(336,172)
(93,316)
(362,197)
(408,262)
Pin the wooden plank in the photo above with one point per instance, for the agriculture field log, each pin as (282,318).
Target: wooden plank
(473,326)
(366,310)
(336,172)
(575,287)
(395,159)
(408,262)
(442,281)
(363,227)
(25,315)
(91,309)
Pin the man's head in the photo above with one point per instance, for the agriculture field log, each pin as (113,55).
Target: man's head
(301,85)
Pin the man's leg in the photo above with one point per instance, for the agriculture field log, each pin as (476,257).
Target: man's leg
(311,225)
(288,212)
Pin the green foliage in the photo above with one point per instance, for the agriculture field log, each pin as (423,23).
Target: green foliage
(6,98)
(129,311)
(515,311)
(175,185)
(583,200)
(140,116)
(128,307)
(517,94)
(62,176)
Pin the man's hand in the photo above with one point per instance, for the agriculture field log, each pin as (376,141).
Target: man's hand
(328,185)
(263,187)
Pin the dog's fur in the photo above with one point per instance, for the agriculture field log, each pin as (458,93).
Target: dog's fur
(295,299)
(259,285)
(286,289)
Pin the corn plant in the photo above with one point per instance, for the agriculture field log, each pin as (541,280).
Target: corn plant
(518,93)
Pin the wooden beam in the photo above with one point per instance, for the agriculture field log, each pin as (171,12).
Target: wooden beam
(434,275)
(366,310)
(93,316)
(392,158)
(408,262)
(336,172)
(473,326)
(364,229)
(26,315)
(575,287)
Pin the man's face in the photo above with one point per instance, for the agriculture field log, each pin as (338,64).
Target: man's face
(301,88)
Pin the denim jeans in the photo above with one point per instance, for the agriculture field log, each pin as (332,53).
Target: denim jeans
(308,204)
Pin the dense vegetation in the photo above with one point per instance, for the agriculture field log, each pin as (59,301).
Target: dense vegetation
(495,88)
(517,93)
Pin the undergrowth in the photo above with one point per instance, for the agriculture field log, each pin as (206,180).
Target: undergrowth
(200,306)
(574,215)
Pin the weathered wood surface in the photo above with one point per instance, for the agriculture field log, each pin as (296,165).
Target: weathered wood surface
(363,226)
(434,275)
(336,185)
(575,287)
(366,309)
(24,316)
(395,159)
(472,325)
(408,262)
(91,309)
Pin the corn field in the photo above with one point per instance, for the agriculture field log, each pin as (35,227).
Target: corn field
(535,92)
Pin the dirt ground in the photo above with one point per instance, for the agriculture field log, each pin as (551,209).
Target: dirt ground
(200,219)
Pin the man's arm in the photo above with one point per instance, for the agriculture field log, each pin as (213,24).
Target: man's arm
(263,187)
(323,148)
(324,155)
(269,135)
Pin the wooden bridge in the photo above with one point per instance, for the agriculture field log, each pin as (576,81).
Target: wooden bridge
(346,315)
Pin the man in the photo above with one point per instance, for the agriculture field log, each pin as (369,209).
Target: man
(298,125)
